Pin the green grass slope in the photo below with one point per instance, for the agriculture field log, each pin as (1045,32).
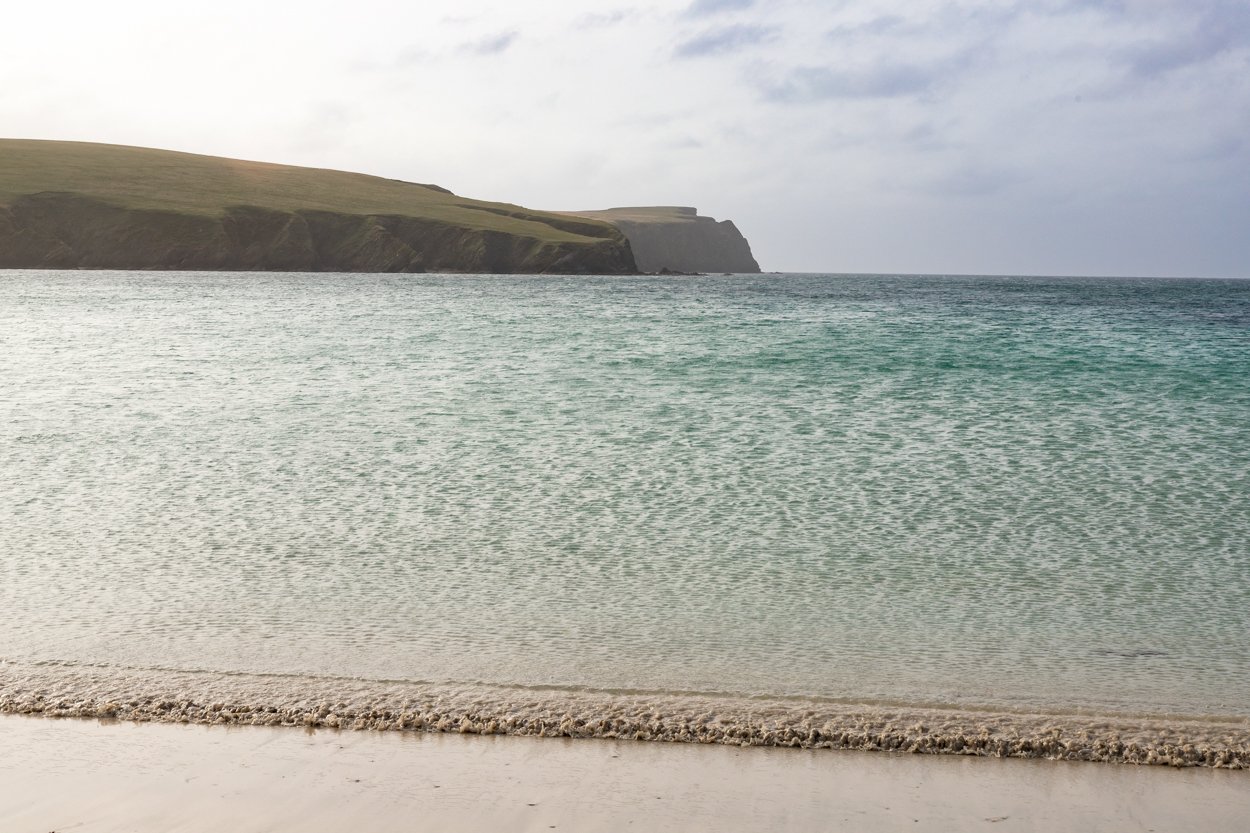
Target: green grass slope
(654,214)
(66,203)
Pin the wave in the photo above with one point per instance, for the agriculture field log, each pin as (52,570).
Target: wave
(171,696)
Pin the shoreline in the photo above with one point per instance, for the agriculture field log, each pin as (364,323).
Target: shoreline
(143,777)
(418,708)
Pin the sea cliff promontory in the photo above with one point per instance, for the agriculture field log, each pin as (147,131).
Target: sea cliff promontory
(77,205)
(677,239)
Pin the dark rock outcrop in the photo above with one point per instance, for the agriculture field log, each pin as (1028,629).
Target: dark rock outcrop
(675,239)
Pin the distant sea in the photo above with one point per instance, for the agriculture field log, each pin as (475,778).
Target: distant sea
(1007,495)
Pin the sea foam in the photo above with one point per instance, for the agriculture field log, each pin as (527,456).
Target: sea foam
(330,703)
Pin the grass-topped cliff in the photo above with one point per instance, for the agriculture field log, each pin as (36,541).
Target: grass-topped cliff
(73,204)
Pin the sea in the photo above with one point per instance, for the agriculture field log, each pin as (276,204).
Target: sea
(737,508)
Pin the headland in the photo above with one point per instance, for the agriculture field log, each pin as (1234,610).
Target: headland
(77,205)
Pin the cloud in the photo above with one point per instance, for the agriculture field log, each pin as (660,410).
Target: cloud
(323,126)
(600,20)
(808,84)
(703,8)
(1050,115)
(406,58)
(684,143)
(412,55)
(1218,30)
(882,25)
(973,181)
(491,44)
(724,39)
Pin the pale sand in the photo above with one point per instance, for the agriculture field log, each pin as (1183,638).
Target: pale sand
(89,776)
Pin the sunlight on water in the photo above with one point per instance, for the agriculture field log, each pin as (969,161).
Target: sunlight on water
(1011,491)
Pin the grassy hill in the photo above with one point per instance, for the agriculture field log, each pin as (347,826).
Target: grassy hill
(73,204)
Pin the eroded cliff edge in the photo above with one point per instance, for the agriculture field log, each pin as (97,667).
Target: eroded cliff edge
(677,239)
(69,231)
(71,205)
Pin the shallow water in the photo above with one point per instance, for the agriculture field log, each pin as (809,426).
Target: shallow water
(1013,493)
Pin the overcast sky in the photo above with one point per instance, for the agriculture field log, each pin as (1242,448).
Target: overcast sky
(1044,137)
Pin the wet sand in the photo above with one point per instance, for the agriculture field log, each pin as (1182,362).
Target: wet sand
(93,776)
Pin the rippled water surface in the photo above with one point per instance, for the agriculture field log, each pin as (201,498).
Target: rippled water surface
(1014,492)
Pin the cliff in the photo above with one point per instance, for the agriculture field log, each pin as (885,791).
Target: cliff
(677,239)
(77,205)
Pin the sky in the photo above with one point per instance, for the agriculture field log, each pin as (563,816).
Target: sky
(1107,137)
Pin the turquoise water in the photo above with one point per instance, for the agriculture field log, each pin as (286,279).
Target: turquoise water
(999,491)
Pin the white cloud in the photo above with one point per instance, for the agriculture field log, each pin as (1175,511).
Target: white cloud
(1048,136)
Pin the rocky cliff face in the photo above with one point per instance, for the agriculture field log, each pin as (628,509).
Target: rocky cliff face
(67,205)
(67,231)
(677,239)
(83,205)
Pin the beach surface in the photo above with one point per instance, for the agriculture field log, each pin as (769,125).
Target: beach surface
(93,776)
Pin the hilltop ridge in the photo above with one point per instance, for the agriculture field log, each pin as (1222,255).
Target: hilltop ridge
(79,205)
(82,205)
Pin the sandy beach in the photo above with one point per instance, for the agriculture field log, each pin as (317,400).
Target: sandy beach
(96,776)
